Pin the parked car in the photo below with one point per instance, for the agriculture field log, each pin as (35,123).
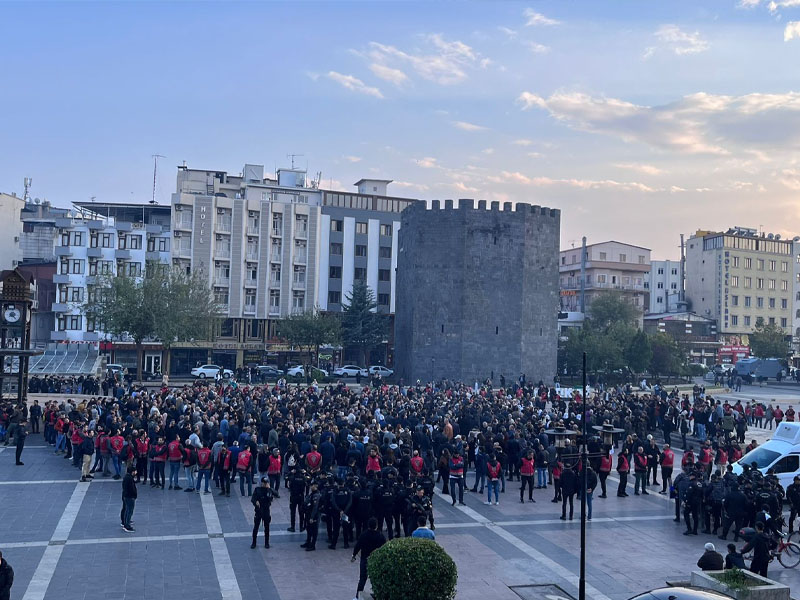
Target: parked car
(269,372)
(350,371)
(781,452)
(300,371)
(681,593)
(380,370)
(211,372)
(115,368)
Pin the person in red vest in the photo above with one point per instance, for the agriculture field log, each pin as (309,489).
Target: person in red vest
(274,471)
(175,457)
(204,462)
(606,462)
(244,466)
(159,459)
(640,471)
(526,470)
(721,459)
(688,459)
(790,414)
(313,461)
(778,414)
(98,443)
(623,468)
(116,443)
(457,477)
(493,469)
(706,459)
(142,450)
(667,464)
(417,465)
(374,462)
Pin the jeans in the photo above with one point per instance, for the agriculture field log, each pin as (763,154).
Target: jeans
(202,473)
(589,505)
(61,442)
(541,476)
(174,473)
(493,486)
(246,475)
(640,480)
(117,465)
(480,478)
(457,481)
(128,504)
(189,473)
(700,430)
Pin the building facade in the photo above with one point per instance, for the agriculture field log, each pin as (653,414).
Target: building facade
(739,276)
(609,266)
(695,335)
(477,292)
(664,284)
(10,230)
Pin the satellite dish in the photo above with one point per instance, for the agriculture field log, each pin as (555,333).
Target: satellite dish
(777,236)
(796,238)
(36,201)
(770,237)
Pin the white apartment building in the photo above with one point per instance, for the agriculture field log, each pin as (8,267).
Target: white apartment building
(103,239)
(664,283)
(10,230)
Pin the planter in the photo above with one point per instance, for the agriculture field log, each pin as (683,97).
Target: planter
(765,589)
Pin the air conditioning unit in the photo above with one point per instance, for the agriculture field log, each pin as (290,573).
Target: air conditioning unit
(178,208)
(220,211)
(220,238)
(177,234)
(16,238)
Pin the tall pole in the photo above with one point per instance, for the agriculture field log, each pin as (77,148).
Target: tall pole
(583,275)
(155,171)
(584,482)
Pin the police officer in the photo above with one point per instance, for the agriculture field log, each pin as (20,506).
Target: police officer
(691,509)
(298,482)
(311,510)
(735,506)
(262,501)
(363,506)
(340,502)
(793,496)
(420,506)
(384,504)
(19,437)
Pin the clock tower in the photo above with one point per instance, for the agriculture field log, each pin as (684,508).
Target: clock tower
(16,302)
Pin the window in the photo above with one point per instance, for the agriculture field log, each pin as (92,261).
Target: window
(784,285)
(734,300)
(563,260)
(772,320)
(107,240)
(135,242)
(361,250)
(335,272)
(748,263)
(771,284)
(623,258)
(772,265)
(747,320)
(334,297)
(385,252)
(151,244)
(660,271)
(783,322)
(625,280)
(660,285)
(384,274)
(674,271)
(299,275)
(277,224)
(71,266)
(301,225)
(748,282)
(601,279)
(275,274)
(362,227)
(659,300)
(759,283)
(784,303)
(336,249)
(93,239)
(641,259)
(784,266)
(673,286)
(772,302)
(250,301)
(760,264)
(602,256)
(274,301)
(337,225)
(734,320)
(134,269)
(252,273)
(735,261)
(276,250)
(747,301)
(386,229)
(759,302)
(734,281)
(123,242)
(383,299)
(298,301)
(69,322)
(221,296)
(360,274)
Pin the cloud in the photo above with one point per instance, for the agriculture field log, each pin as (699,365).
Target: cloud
(748,3)
(463,125)
(791,31)
(510,33)
(427,163)
(700,123)
(354,84)
(407,184)
(535,154)
(395,76)
(790,178)
(443,62)
(352,159)
(461,187)
(584,184)
(488,151)
(672,38)
(774,6)
(537,48)
(641,168)
(534,18)
(522,142)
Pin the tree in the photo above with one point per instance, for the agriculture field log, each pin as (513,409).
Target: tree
(310,330)
(165,304)
(362,326)
(638,354)
(768,341)
(412,569)
(667,358)
(609,308)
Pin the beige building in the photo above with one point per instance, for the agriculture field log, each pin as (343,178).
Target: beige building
(10,230)
(739,276)
(609,266)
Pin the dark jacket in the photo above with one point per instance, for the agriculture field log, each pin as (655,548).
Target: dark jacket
(128,486)
(734,559)
(369,541)
(569,482)
(710,561)
(7,579)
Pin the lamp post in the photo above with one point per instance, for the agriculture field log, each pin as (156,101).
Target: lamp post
(584,477)
(608,433)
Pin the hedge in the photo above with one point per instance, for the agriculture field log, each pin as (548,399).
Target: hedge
(412,569)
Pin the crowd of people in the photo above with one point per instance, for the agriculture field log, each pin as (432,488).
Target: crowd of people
(366,459)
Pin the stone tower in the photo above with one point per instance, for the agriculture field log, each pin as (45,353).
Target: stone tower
(477,292)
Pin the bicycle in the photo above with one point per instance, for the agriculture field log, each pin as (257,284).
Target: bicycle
(787,552)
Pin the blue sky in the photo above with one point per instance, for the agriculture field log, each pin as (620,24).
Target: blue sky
(640,120)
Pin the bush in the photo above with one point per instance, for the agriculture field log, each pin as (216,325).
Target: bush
(412,569)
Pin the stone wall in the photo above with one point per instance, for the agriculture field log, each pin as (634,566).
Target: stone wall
(477,291)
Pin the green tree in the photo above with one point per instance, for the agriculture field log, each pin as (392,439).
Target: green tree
(667,358)
(768,341)
(363,327)
(310,330)
(638,353)
(609,308)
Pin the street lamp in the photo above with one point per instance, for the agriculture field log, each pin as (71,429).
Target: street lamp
(608,432)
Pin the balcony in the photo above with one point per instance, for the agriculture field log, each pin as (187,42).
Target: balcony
(300,259)
(60,307)
(63,250)
(253,229)
(91,336)
(222,226)
(222,253)
(252,256)
(61,278)
(249,309)
(222,281)
(274,283)
(250,283)
(123,254)
(274,311)
(152,255)
(183,224)
(301,233)
(94,252)
(277,231)
(299,283)
(58,336)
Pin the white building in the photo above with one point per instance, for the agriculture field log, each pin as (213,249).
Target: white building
(10,230)
(664,283)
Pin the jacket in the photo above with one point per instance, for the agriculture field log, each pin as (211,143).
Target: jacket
(7,579)
(710,561)
(129,486)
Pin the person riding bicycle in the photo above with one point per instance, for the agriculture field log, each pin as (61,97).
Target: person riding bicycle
(760,545)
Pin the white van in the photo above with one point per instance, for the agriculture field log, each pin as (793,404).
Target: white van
(781,453)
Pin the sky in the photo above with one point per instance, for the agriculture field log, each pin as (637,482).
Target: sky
(640,120)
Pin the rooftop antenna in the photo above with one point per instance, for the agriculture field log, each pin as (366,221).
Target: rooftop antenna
(92,199)
(155,170)
(28,182)
(293,156)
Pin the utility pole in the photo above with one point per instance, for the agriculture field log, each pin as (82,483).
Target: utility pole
(683,272)
(583,276)
(155,171)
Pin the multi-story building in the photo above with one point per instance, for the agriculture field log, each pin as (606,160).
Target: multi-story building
(105,239)
(273,247)
(39,230)
(10,230)
(664,283)
(740,276)
(609,266)
(695,335)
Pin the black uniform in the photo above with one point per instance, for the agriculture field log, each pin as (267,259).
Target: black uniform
(298,481)
(363,508)
(311,509)
(691,508)
(419,507)
(384,505)
(340,502)
(262,501)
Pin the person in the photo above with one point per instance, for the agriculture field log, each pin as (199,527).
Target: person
(734,559)
(759,544)
(457,478)
(526,470)
(667,460)
(692,503)
(591,484)
(711,560)
(623,467)
(6,578)
(569,486)
(311,508)
(19,437)
(244,468)
(423,532)
(793,496)
(35,415)
(204,464)
(129,495)
(640,471)
(87,449)
(367,543)
(262,502)
(493,470)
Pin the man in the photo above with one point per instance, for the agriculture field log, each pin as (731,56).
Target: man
(340,503)
(759,544)
(87,449)
(129,495)
(734,559)
(711,559)
(19,436)
(591,484)
(526,472)
(175,458)
(298,482)
(569,486)
(691,509)
(793,496)
(369,541)
(116,442)
(36,416)
(419,506)
(667,461)
(262,501)
(623,467)
(274,470)
(6,578)
(204,463)
(457,478)
(735,507)
(311,508)
(423,532)
(639,471)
